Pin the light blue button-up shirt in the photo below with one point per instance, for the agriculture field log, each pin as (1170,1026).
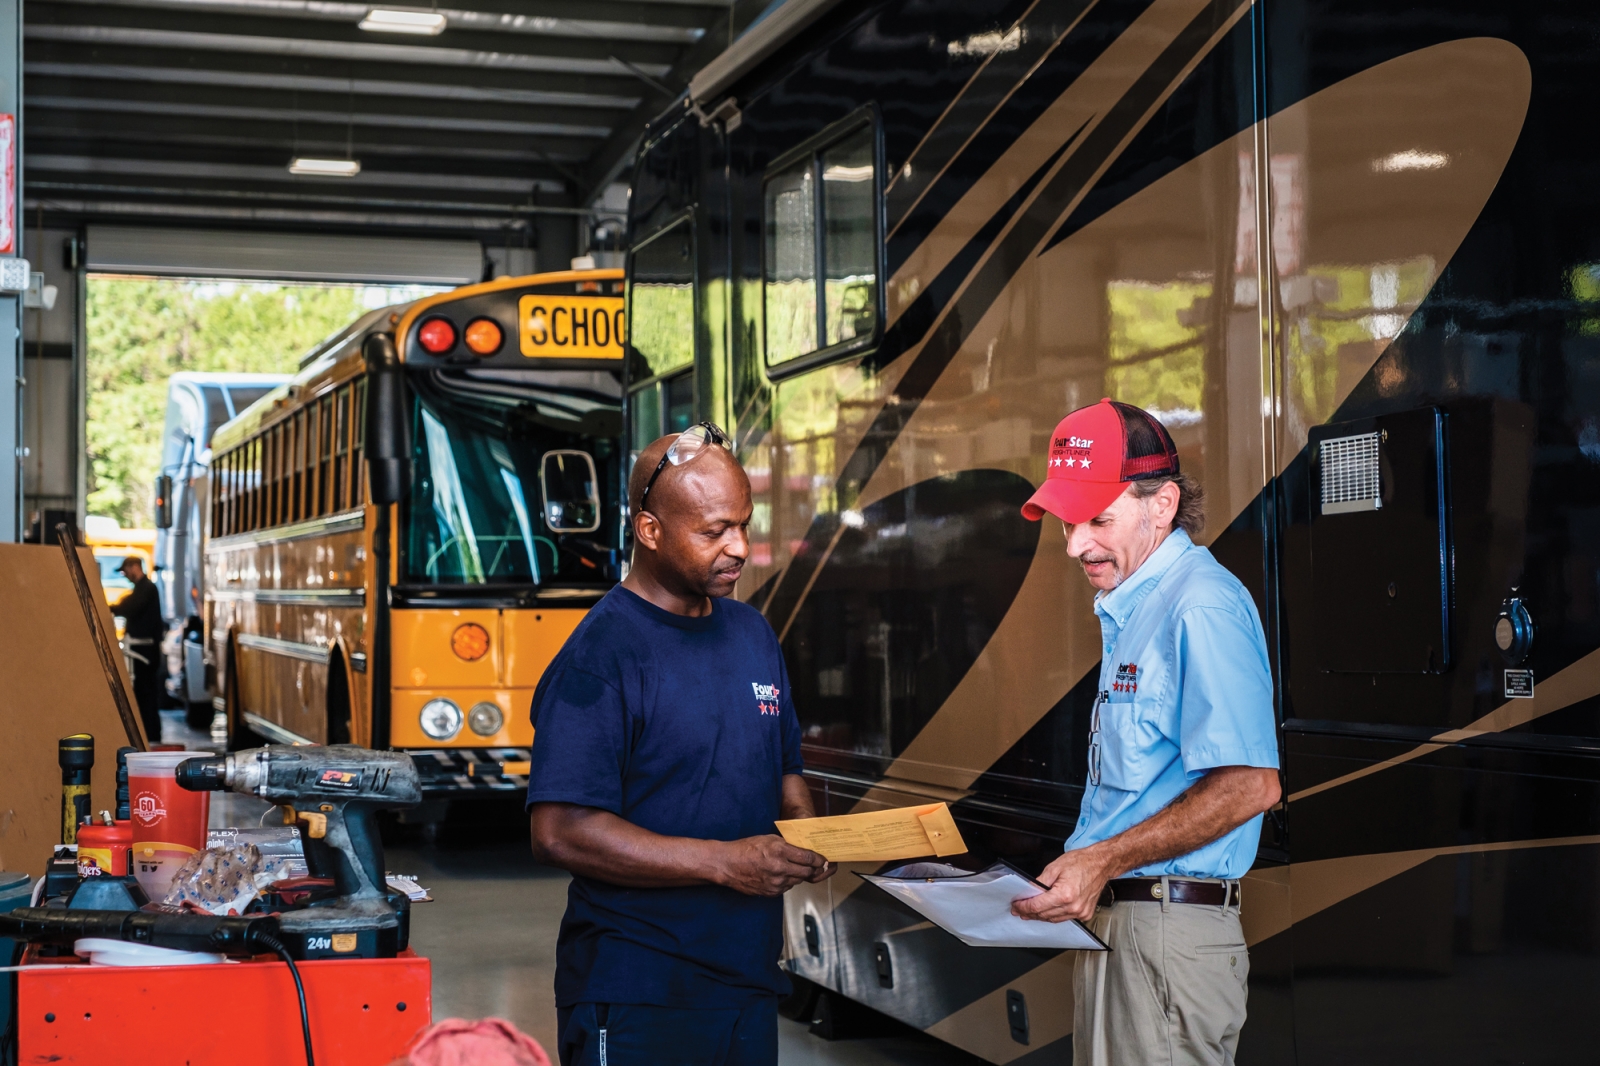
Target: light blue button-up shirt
(1185,688)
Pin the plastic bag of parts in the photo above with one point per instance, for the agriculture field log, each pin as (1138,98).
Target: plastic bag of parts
(279,845)
(224,880)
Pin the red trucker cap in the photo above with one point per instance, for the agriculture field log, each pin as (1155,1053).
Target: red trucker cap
(1094,453)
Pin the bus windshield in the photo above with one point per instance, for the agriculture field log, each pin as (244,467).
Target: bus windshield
(494,477)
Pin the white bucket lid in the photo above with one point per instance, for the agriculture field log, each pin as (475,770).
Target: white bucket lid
(159,763)
(104,952)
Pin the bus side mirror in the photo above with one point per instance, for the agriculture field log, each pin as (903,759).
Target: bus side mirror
(164,502)
(387,448)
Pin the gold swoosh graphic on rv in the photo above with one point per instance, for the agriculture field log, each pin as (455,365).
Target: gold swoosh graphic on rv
(1579,681)
(1043,347)
(927,163)
(1084,104)
(1277,897)
(1223,15)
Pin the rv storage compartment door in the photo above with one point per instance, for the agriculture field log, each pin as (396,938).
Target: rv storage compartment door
(1380,544)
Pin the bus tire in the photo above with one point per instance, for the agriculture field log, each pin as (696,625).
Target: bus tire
(240,735)
(337,726)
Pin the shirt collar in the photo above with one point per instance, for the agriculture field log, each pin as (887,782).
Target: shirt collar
(1118,604)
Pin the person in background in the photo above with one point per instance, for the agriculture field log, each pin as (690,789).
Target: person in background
(665,746)
(141,610)
(1183,754)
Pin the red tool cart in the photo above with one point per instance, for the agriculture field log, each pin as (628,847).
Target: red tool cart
(362,1011)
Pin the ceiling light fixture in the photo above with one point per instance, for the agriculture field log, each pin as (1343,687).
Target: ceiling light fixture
(404,20)
(324,168)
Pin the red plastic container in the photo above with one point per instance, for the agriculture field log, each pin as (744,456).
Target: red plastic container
(104,849)
(169,823)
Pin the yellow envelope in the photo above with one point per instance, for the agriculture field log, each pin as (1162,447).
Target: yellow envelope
(878,836)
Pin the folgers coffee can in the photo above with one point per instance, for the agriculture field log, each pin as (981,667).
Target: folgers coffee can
(104,849)
(169,823)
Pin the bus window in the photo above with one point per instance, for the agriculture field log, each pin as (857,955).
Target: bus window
(661,304)
(661,407)
(478,442)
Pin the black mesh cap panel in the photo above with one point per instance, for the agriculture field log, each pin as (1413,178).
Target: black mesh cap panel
(1149,451)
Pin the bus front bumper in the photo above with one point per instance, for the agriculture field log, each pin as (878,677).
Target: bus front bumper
(456,773)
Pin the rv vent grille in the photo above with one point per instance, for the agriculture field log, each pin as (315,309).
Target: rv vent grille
(1350,474)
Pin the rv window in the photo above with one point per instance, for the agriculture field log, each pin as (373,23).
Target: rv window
(661,304)
(791,289)
(821,222)
(849,248)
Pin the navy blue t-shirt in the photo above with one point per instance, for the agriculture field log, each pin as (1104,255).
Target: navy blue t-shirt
(685,727)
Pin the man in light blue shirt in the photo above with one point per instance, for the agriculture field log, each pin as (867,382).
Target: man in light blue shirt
(1183,753)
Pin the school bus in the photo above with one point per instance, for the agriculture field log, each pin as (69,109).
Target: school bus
(403,535)
(1349,256)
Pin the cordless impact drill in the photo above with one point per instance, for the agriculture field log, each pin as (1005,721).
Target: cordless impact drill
(332,793)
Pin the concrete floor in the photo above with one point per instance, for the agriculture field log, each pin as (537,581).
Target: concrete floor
(491,930)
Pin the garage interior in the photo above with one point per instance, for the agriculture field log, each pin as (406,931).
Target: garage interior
(298,140)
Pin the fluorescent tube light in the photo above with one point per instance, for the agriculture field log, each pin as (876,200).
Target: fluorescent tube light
(325,168)
(404,20)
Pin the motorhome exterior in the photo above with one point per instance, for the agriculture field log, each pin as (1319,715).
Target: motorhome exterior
(197,403)
(400,538)
(1350,256)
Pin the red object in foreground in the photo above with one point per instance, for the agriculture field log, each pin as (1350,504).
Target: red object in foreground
(233,1014)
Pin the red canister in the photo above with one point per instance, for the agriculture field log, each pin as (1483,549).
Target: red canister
(169,823)
(104,849)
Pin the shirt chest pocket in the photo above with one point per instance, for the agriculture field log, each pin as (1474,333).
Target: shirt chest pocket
(1129,743)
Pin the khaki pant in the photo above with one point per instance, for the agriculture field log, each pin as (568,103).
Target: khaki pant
(1170,992)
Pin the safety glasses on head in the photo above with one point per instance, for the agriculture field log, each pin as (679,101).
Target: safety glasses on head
(690,443)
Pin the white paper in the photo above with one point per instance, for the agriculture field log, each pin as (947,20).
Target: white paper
(976,908)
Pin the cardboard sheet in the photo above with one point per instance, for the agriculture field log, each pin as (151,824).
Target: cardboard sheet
(878,836)
(51,686)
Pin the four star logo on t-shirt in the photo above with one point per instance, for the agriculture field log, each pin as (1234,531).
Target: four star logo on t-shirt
(766,697)
(1127,678)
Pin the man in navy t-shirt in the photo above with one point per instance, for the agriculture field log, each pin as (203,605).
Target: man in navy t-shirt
(665,746)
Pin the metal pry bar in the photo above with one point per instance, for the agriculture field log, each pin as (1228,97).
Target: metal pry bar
(119,695)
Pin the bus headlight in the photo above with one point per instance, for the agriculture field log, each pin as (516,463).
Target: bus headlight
(440,719)
(485,719)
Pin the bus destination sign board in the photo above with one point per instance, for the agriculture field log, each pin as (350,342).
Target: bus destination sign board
(571,327)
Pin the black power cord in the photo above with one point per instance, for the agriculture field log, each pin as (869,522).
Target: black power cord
(274,945)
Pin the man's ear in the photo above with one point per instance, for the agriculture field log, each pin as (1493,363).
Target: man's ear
(1166,502)
(647,530)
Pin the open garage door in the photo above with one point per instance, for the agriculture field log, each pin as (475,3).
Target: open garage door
(200,253)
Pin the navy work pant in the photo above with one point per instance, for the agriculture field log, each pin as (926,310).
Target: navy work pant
(632,1034)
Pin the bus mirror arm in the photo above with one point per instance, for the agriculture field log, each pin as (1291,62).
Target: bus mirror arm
(387,448)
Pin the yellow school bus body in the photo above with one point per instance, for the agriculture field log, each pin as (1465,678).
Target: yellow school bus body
(293,591)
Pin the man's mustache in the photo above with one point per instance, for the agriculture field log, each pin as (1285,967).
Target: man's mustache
(1087,560)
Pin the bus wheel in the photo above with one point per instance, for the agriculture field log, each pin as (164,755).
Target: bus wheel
(240,735)
(337,726)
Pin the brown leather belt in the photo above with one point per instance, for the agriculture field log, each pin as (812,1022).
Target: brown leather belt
(1150,890)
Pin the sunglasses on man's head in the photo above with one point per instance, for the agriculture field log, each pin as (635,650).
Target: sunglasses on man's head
(690,443)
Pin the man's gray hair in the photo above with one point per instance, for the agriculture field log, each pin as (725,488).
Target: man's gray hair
(1191,516)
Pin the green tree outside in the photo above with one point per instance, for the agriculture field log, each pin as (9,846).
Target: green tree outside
(142,330)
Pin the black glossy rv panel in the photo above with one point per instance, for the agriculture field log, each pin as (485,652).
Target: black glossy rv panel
(1350,254)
